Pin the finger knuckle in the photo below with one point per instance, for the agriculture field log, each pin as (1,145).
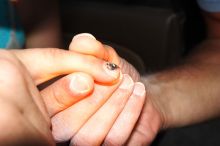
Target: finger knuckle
(56,94)
(54,53)
(112,141)
(92,60)
(83,142)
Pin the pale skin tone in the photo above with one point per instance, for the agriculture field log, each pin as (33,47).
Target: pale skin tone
(106,111)
(123,130)
(32,128)
(184,95)
(171,93)
(60,95)
(29,111)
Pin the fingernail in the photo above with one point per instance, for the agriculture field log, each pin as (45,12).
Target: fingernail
(139,89)
(83,35)
(111,69)
(79,84)
(127,82)
(111,66)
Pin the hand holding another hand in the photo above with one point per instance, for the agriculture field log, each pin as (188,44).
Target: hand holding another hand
(28,110)
(134,125)
(110,110)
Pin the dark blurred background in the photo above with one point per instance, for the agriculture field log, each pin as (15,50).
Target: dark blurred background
(151,34)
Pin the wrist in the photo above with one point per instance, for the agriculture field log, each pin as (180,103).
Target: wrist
(168,92)
(154,95)
(181,94)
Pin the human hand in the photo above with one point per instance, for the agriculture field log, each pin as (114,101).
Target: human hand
(102,113)
(45,64)
(25,107)
(24,120)
(110,106)
(151,118)
(86,44)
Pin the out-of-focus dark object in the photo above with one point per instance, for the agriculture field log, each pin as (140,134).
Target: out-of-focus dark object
(150,29)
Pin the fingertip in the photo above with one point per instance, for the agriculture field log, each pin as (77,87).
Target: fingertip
(81,84)
(88,35)
(139,89)
(127,82)
(83,42)
(87,44)
(112,73)
(67,91)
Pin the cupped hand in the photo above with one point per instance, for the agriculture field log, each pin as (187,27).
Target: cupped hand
(150,120)
(25,116)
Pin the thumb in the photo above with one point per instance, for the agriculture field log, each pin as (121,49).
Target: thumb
(47,63)
(67,91)
(86,43)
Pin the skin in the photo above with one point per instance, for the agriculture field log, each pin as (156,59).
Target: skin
(31,67)
(110,106)
(196,81)
(106,117)
(22,108)
(30,109)
(65,126)
(129,128)
(42,30)
(186,89)
(173,92)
